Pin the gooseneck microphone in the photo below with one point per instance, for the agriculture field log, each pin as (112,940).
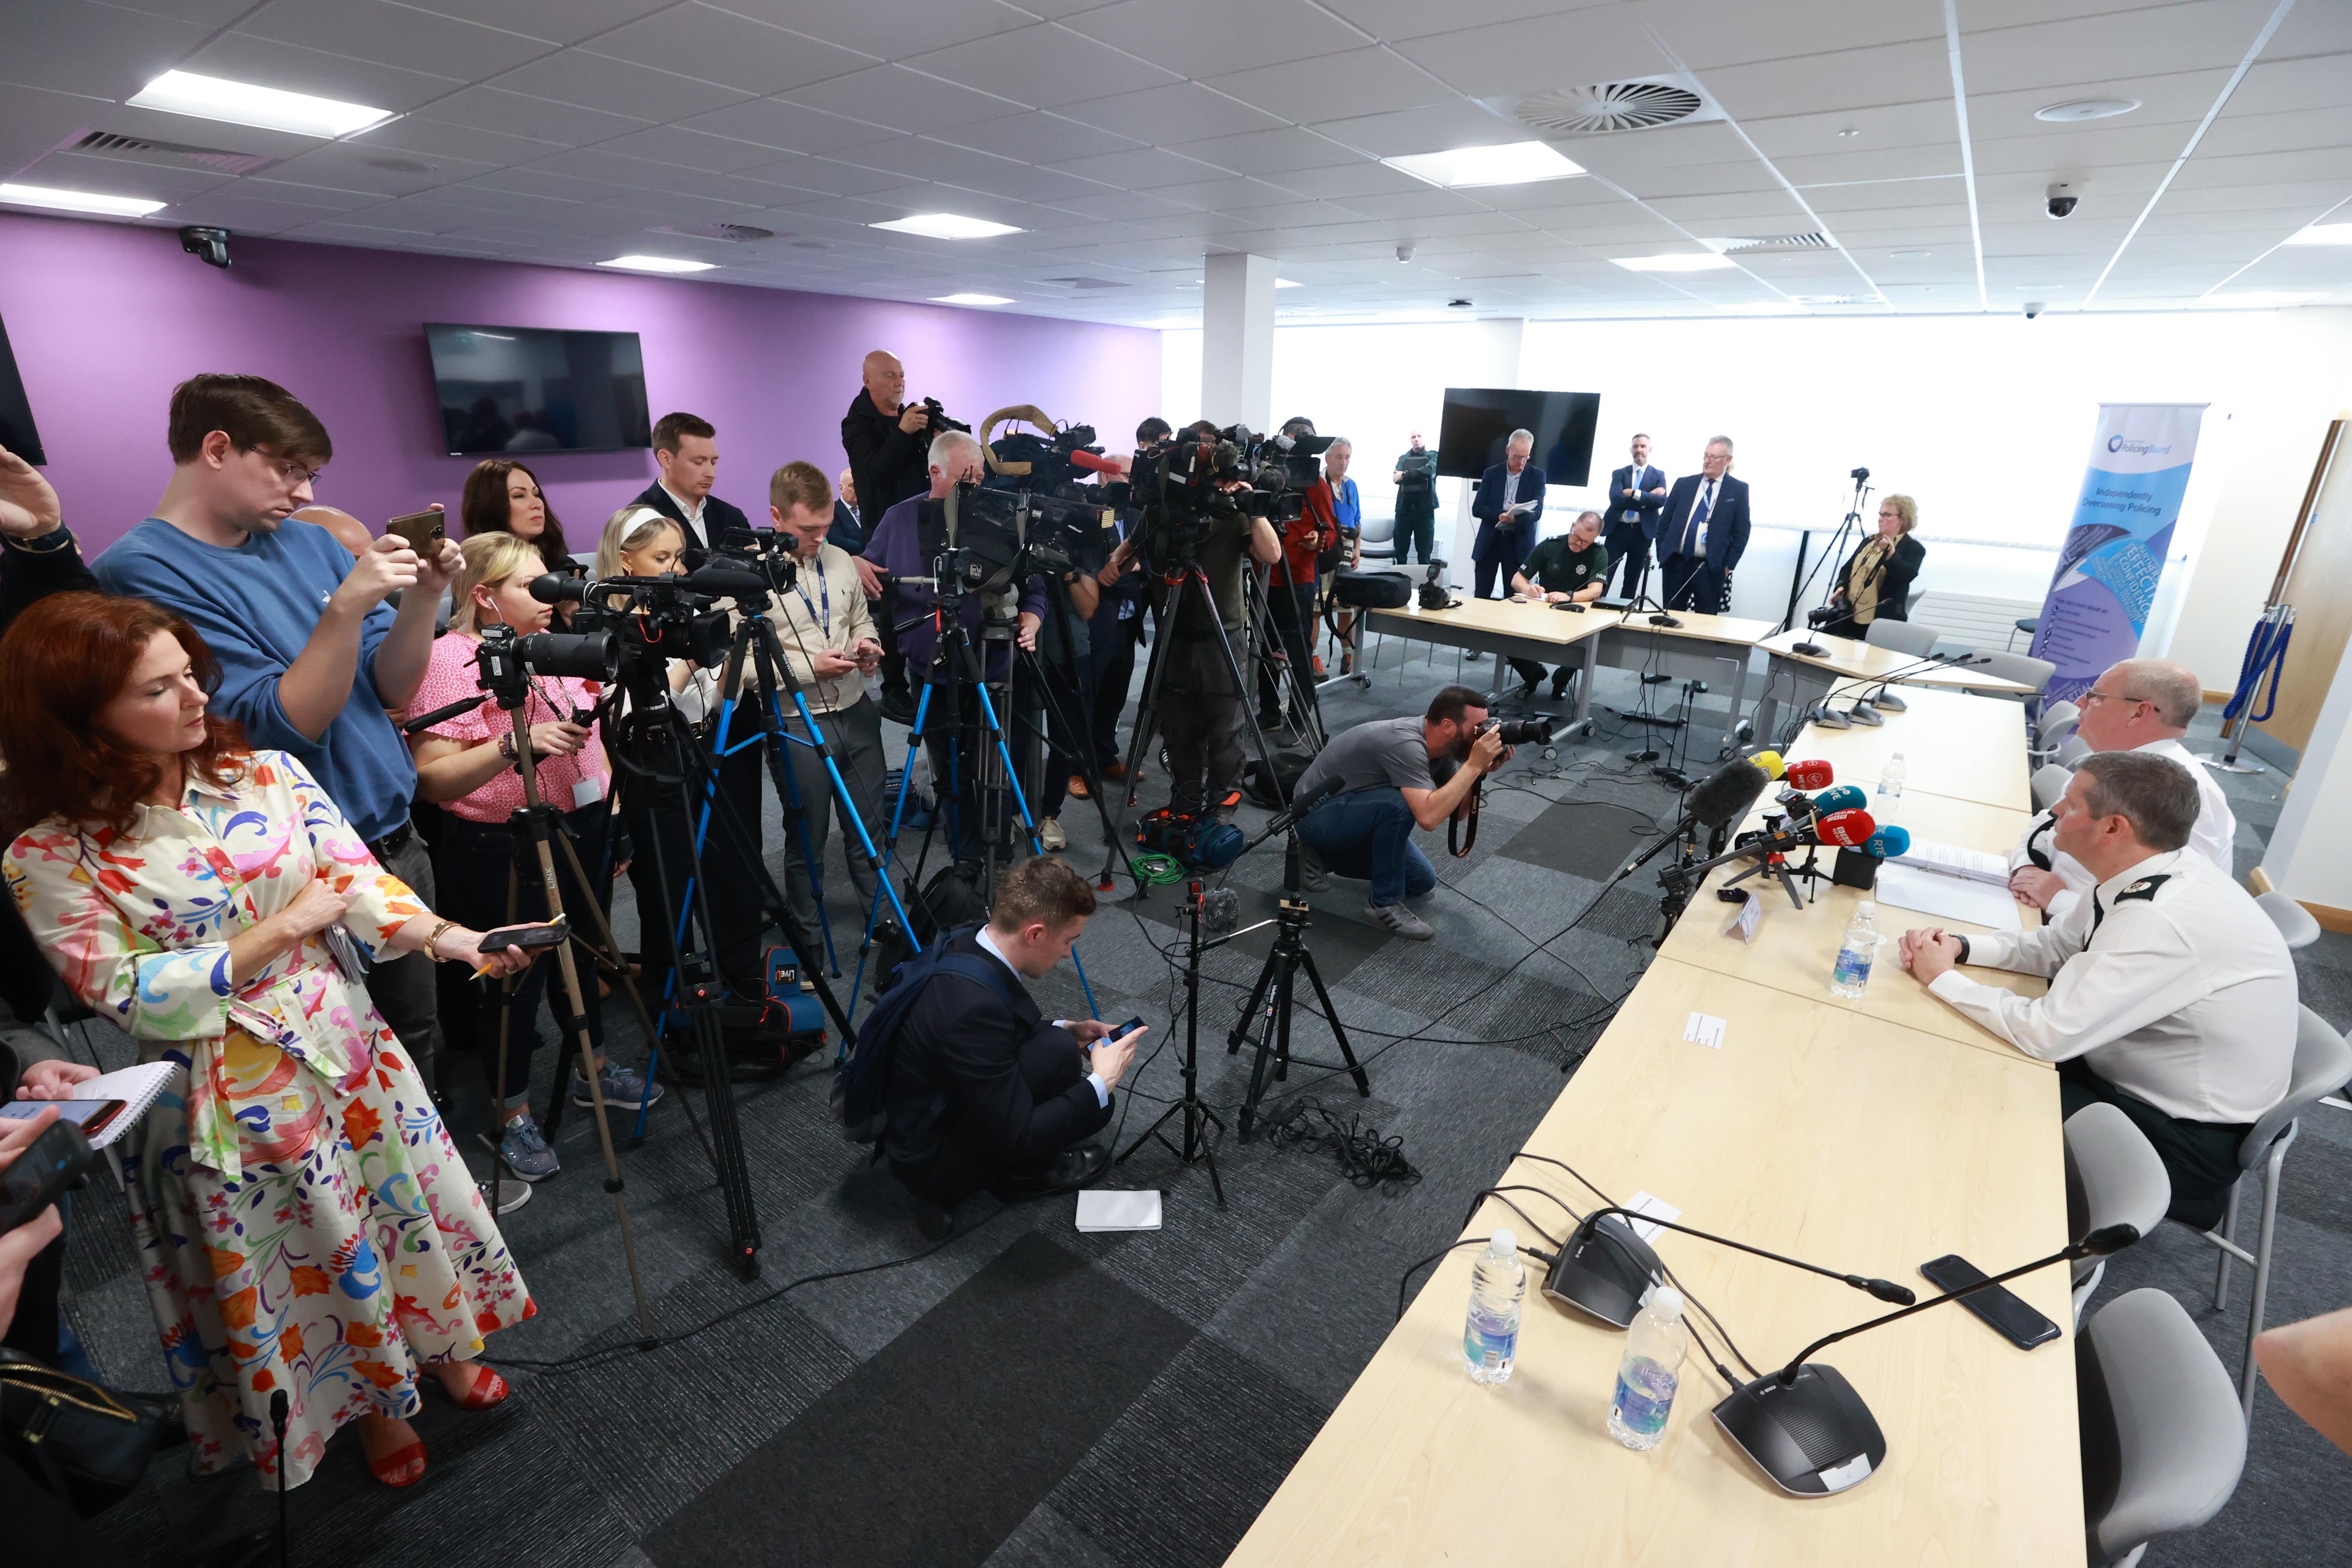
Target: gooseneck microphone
(1807,1428)
(1606,1266)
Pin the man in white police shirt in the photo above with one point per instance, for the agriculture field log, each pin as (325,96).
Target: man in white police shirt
(2171,994)
(2139,705)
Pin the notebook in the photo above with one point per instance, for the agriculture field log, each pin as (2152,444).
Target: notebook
(135,1086)
(1105,1209)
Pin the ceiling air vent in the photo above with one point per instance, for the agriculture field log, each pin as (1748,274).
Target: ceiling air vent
(734,233)
(139,150)
(1086,285)
(1774,245)
(1610,106)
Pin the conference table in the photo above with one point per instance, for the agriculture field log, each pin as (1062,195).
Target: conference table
(1953,744)
(1867,1135)
(1847,663)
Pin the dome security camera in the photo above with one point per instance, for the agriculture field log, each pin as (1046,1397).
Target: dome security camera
(1405,251)
(2062,199)
(209,246)
(2033,307)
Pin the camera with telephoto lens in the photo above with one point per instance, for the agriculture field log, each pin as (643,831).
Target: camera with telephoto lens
(936,421)
(508,661)
(1533,732)
(652,619)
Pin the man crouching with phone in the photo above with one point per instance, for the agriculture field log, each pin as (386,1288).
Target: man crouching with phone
(984,1092)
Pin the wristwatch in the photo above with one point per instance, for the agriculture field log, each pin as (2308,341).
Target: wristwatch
(1964,950)
(506,747)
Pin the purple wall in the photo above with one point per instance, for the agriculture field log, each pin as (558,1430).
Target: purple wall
(105,317)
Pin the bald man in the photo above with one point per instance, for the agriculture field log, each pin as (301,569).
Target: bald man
(888,441)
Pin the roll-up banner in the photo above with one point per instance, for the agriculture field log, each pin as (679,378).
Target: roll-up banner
(2114,556)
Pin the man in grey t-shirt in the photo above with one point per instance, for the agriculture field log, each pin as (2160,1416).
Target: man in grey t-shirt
(1393,775)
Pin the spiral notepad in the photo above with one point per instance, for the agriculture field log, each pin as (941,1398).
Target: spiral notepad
(135,1086)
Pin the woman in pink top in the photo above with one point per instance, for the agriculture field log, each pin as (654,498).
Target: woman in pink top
(466,765)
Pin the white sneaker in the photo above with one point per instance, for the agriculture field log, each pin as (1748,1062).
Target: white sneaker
(1399,921)
(1050,834)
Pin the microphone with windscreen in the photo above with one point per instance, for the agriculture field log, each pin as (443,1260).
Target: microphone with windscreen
(1775,767)
(1725,795)
(1810,775)
(1844,829)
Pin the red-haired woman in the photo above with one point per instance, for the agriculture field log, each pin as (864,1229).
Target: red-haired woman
(304,1221)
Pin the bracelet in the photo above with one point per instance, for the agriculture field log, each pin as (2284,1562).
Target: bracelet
(506,747)
(437,932)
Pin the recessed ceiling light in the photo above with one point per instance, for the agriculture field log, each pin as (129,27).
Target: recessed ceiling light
(970,299)
(1512,163)
(947,226)
(1678,262)
(78,201)
(2323,233)
(657,264)
(2086,109)
(1849,131)
(242,103)
(2253,299)
(1285,283)
(1908,255)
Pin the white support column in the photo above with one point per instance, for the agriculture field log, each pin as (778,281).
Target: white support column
(2310,854)
(1237,339)
(1493,360)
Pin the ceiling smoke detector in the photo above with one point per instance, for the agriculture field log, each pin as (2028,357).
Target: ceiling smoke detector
(732,233)
(1638,105)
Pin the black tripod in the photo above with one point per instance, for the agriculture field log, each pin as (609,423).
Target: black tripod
(1799,591)
(1282,962)
(1198,1148)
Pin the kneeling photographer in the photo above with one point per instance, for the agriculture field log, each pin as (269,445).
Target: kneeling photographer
(1394,775)
(466,765)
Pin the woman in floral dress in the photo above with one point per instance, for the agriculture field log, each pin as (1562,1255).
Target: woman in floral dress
(304,1222)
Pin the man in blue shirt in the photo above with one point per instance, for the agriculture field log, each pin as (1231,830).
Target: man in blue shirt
(311,655)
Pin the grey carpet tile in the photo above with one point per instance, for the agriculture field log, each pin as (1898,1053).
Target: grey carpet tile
(1177,1481)
(116,1323)
(1046,1539)
(2324,988)
(103,1248)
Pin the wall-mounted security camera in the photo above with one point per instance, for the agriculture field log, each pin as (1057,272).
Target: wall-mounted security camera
(2062,199)
(208,245)
(1405,251)
(2034,307)
(1457,304)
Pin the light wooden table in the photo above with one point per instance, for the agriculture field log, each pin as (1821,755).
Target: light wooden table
(1535,632)
(1816,1132)
(1794,950)
(1953,744)
(1843,661)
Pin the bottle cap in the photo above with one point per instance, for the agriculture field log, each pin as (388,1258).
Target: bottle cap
(1506,1243)
(1667,1302)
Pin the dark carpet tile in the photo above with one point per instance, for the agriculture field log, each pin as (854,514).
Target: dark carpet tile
(2324,989)
(1583,840)
(1040,1348)
(1177,1481)
(102,1249)
(1046,1539)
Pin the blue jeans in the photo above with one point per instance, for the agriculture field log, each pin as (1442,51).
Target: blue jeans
(1368,834)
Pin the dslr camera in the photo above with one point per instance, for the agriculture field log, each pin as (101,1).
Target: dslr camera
(508,661)
(1536,731)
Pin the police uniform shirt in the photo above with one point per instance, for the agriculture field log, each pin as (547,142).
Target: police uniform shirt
(1558,567)
(2168,981)
(2213,837)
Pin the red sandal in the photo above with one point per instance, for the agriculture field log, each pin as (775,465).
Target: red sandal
(487,1389)
(388,1468)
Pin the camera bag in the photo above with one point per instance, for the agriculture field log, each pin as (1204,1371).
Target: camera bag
(1367,589)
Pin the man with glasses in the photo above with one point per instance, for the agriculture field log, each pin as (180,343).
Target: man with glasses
(311,655)
(2139,705)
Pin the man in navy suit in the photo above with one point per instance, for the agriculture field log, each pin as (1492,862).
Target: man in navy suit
(1705,534)
(1508,508)
(1637,494)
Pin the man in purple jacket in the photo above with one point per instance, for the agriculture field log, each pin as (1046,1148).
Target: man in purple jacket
(909,604)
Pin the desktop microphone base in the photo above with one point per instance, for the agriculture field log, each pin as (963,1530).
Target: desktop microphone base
(1828,717)
(1809,649)
(1813,1436)
(1890,702)
(1866,714)
(1604,1272)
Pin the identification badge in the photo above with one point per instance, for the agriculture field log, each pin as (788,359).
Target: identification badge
(587,792)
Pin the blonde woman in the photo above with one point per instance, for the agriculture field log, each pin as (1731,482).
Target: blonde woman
(1874,585)
(467,766)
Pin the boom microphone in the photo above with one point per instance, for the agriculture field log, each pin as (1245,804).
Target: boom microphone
(728,582)
(1724,796)
(551,588)
(1810,775)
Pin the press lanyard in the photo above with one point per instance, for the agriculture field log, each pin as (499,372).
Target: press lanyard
(824,592)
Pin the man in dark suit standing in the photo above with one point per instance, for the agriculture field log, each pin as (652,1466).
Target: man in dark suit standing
(984,1092)
(1637,494)
(1705,534)
(686,449)
(1508,508)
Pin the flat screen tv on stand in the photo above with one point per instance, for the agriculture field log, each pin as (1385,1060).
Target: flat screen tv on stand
(1477,422)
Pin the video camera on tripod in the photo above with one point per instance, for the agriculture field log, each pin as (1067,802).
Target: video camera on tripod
(652,619)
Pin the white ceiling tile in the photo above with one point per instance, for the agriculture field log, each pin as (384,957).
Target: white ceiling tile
(1870,164)
(1628,157)
(72,47)
(1231,193)
(616,86)
(1139,170)
(2312,30)
(1424,202)
(887,29)
(1046,67)
(33,122)
(265,63)
(2289,132)
(229,207)
(1436,128)
(540,119)
(1602,43)
(351,166)
(2312,196)
(1930,122)
(1201,42)
(1335,88)
(1275,152)
(710,45)
(788,127)
(917,157)
(1028,183)
(546,183)
(2064,152)
(1707,33)
(1882,194)
(1417,18)
(829,175)
(2274,86)
(1180,111)
(393,35)
(689,149)
(1036,137)
(122,177)
(1889,73)
(558,21)
(1362,178)
(902,100)
(435,140)
(1122,205)
(2267,168)
(2155,40)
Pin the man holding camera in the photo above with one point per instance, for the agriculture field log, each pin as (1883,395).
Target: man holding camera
(1568,568)
(1391,776)
(827,635)
(889,442)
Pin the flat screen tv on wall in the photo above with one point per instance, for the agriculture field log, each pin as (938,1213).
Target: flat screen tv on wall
(1478,421)
(17,432)
(536,389)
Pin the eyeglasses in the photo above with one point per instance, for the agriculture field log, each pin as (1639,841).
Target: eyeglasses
(2096,695)
(293,474)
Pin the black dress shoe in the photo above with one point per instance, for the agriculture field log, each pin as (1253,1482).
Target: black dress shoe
(1559,687)
(898,705)
(1526,690)
(937,1224)
(1071,1170)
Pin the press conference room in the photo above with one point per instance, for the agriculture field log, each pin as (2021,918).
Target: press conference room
(958,783)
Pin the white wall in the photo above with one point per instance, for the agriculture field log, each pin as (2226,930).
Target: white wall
(1986,421)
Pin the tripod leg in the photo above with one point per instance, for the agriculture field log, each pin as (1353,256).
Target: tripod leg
(1265,981)
(1338,1030)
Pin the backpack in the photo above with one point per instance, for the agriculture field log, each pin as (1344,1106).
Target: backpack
(861,1079)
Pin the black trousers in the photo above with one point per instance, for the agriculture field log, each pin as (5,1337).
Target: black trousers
(1113,661)
(732,876)
(1291,609)
(966,1162)
(475,858)
(2202,1157)
(1629,551)
(1693,585)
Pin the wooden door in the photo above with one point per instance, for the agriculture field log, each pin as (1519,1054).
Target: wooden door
(2312,577)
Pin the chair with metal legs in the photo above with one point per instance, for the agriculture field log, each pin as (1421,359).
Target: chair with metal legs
(2322,1063)
(2162,1449)
(2112,1177)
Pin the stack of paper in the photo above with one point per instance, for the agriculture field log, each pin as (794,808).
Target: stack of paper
(1951,860)
(1103,1208)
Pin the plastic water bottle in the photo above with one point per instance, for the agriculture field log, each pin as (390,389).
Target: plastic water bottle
(1851,975)
(1891,776)
(1647,1377)
(1497,1284)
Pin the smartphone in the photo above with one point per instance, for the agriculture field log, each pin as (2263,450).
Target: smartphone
(89,1115)
(2005,1314)
(57,1161)
(1570,606)
(527,938)
(1126,1028)
(422,530)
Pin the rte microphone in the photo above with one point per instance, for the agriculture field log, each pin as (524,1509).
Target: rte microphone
(1810,775)
(1605,1268)
(1889,843)
(1807,1428)
(1859,867)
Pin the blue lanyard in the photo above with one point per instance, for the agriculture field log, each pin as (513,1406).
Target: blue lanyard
(825,591)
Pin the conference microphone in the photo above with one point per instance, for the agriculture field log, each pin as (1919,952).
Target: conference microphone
(1605,1268)
(1859,867)
(1807,1428)
(1891,842)
(1840,797)
(1810,775)
(1843,828)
